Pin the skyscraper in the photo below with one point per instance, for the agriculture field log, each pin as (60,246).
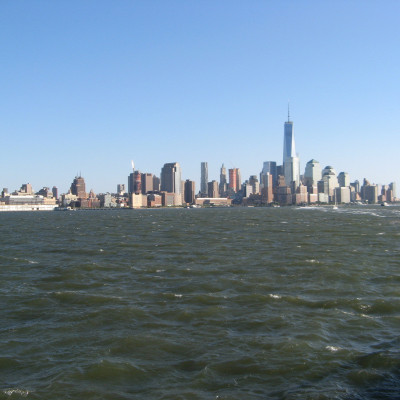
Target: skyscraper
(204,178)
(331,181)
(267,195)
(55,192)
(213,189)
(171,178)
(131,180)
(120,189)
(78,187)
(189,191)
(312,173)
(235,181)
(344,179)
(291,162)
(392,187)
(255,184)
(222,181)
(147,183)
(269,167)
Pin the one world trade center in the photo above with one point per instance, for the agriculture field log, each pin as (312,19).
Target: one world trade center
(291,162)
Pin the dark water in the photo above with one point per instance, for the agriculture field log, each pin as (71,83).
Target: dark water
(201,304)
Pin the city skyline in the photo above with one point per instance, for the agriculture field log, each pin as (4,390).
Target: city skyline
(91,86)
(288,173)
(278,185)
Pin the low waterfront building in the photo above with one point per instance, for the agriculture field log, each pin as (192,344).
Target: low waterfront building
(323,198)
(171,199)
(137,200)
(217,201)
(154,200)
(27,203)
(106,200)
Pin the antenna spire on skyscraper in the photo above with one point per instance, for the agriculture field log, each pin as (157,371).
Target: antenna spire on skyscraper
(288,112)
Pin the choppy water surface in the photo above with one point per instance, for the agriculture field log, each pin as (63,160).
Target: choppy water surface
(257,303)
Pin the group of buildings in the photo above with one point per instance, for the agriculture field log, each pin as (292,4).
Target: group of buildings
(276,185)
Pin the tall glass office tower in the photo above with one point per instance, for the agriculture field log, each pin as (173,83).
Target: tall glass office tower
(289,148)
(291,162)
(171,178)
(204,178)
(269,167)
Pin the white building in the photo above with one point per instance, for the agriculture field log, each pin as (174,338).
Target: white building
(344,179)
(312,173)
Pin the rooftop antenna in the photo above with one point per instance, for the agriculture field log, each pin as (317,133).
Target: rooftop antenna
(288,112)
(133,165)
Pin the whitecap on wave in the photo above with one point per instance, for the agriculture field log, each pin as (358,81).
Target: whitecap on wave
(333,349)
(21,392)
(275,296)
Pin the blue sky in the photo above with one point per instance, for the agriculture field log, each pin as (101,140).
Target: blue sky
(87,86)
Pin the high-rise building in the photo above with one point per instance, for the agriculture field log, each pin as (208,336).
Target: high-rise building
(235,181)
(371,193)
(269,167)
(292,171)
(190,193)
(267,195)
(55,192)
(312,173)
(222,181)
(131,180)
(213,189)
(137,178)
(238,179)
(356,186)
(156,183)
(330,178)
(344,179)
(26,188)
(232,179)
(204,178)
(291,162)
(392,187)
(171,178)
(78,187)
(255,184)
(134,181)
(147,183)
(121,189)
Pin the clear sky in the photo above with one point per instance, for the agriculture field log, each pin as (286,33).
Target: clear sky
(87,86)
